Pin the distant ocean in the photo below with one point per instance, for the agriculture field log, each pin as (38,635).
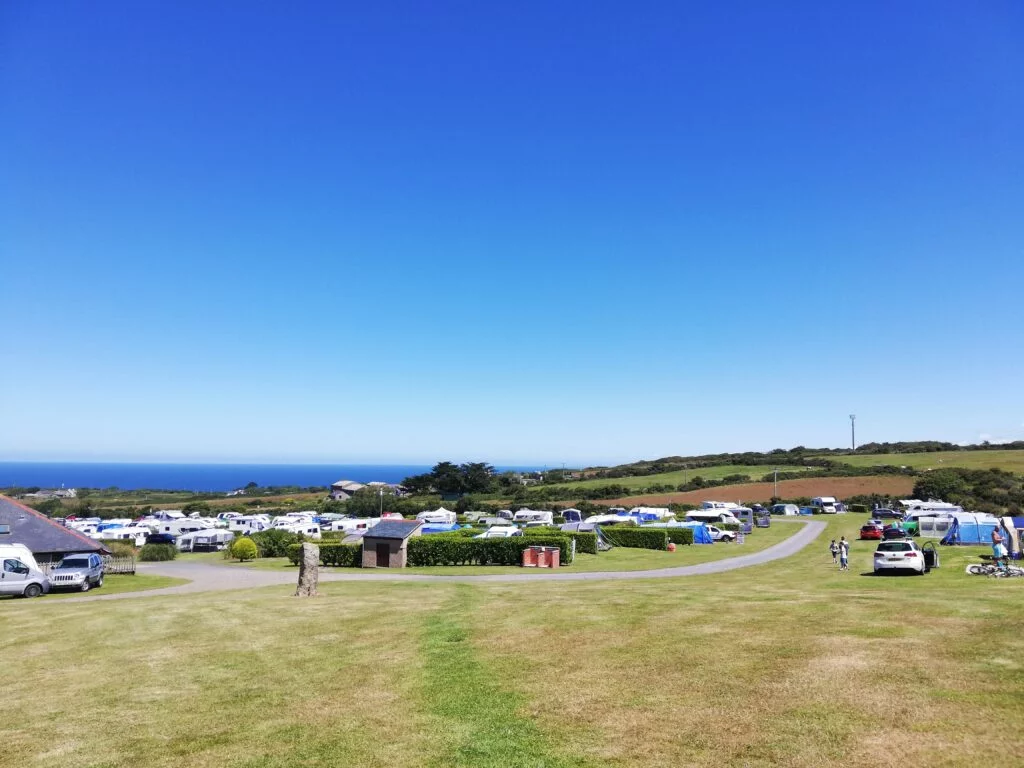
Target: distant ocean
(197,477)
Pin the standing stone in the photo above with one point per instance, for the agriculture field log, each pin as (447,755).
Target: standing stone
(309,570)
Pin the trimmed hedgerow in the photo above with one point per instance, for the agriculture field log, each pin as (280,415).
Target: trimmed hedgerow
(586,541)
(454,550)
(636,538)
(680,535)
(333,553)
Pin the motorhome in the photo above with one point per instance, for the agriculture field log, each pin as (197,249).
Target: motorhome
(207,540)
(543,517)
(828,505)
(136,534)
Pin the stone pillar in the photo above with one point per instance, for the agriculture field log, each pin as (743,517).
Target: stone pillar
(309,570)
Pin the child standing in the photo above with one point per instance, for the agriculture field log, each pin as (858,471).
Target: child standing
(834,549)
(844,554)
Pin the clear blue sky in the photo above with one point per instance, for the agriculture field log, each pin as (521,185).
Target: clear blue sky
(531,232)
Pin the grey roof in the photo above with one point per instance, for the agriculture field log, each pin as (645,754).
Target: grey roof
(393,529)
(39,533)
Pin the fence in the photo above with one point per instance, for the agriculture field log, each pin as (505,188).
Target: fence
(112,564)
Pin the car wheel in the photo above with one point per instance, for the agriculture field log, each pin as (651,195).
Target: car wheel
(33,590)
(100,582)
(86,585)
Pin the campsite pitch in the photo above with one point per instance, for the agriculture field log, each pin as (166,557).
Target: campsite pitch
(789,663)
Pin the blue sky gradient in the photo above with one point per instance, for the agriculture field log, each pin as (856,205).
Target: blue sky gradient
(392,232)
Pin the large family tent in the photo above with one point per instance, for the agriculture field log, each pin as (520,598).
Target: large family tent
(970,528)
(1013,532)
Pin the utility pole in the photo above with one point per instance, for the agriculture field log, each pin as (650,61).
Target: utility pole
(853,432)
(776,470)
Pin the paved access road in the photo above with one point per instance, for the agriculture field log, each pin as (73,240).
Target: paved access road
(215,578)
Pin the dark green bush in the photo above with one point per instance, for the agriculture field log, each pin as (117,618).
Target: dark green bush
(274,542)
(727,526)
(636,538)
(153,553)
(441,549)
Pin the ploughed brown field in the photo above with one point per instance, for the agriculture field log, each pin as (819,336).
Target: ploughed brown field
(840,487)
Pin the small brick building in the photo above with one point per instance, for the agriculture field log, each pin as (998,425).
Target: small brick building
(385,545)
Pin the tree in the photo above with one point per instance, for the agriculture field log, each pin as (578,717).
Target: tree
(477,477)
(447,478)
(945,484)
(418,483)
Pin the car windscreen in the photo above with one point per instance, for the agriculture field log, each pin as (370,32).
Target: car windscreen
(895,546)
(73,564)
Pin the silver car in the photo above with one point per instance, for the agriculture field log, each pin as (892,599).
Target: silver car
(78,572)
(19,578)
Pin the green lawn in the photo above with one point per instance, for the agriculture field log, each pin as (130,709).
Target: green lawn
(1011,461)
(790,663)
(121,583)
(680,477)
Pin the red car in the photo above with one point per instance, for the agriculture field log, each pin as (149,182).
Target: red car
(870,532)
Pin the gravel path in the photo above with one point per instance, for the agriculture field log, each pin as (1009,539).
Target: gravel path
(216,578)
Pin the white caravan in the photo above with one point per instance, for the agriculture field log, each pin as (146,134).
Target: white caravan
(209,539)
(248,524)
(542,517)
(714,515)
(439,516)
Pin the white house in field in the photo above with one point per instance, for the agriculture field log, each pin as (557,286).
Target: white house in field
(345,489)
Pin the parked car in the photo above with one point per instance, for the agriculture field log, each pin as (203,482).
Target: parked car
(78,572)
(893,532)
(20,576)
(870,532)
(717,534)
(902,555)
(887,514)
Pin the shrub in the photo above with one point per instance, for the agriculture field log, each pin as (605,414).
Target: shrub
(586,541)
(727,526)
(119,547)
(153,553)
(680,535)
(274,542)
(636,538)
(452,550)
(244,549)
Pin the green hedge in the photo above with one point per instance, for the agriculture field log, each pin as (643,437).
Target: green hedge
(453,550)
(274,542)
(152,553)
(586,541)
(636,538)
(333,553)
(680,535)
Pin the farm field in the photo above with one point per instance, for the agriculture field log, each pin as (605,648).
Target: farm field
(788,663)
(1011,461)
(755,472)
(840,487)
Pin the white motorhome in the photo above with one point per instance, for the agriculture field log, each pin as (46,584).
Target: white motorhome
(717,505)
(827,504)
(543,517)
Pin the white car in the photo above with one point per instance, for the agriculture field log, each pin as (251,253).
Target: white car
(717,534)
(899,555)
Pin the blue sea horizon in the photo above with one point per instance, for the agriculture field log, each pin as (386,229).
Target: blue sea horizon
(213,478)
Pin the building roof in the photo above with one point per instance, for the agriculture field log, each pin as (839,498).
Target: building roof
(347,485)
(393,529)
(39,533)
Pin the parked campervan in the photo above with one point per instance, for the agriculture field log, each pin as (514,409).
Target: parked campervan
(248,524)
(827,504)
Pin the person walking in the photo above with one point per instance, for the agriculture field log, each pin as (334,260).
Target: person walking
(844,554)
(834,549)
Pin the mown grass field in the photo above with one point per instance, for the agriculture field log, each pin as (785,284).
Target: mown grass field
(116,584)
(791,663)
(1011,461)
(677,478)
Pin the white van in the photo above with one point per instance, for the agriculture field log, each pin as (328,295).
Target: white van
(827,504)
(19,572)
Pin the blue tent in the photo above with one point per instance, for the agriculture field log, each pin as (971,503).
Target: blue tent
(700,531)
(440,528)
(970,531)
(572,515)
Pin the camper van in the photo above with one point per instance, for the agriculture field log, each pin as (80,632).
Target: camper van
(828,505)
(248,524)
(21,574)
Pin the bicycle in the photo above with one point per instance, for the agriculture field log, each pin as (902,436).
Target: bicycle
(1000,568)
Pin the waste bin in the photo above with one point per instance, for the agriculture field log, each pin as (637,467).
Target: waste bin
(931,556)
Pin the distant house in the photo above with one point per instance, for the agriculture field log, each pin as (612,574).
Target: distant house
(345,489)
(49,541)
